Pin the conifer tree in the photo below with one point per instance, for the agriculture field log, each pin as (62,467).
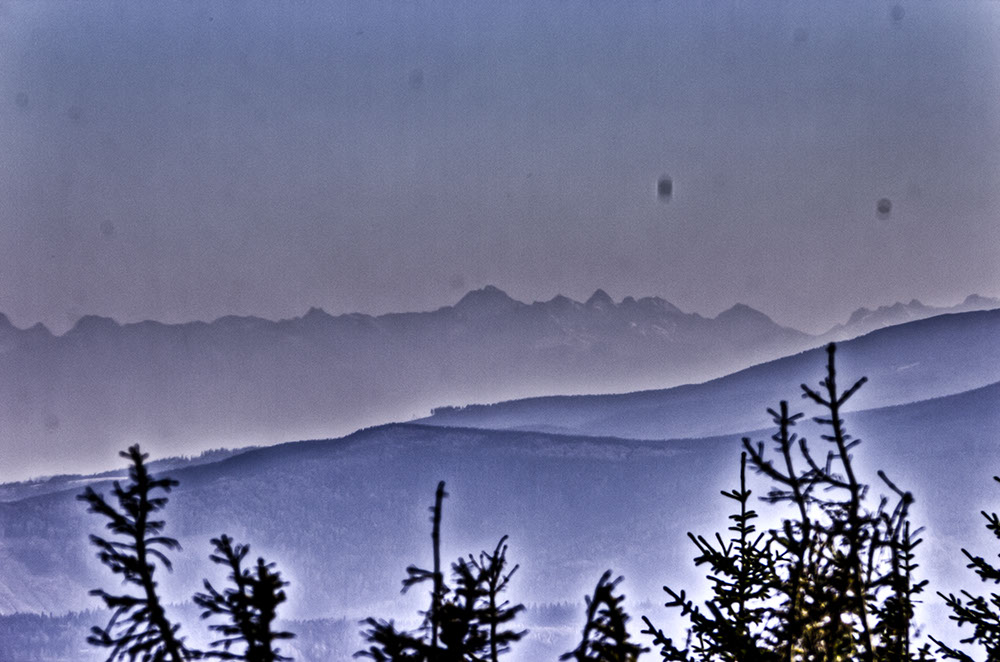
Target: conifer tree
(417,575)
(463,623)
(734,622)
(977,611)
(250,605)
(139,627)
(834,582)
(605,635)
(495,613)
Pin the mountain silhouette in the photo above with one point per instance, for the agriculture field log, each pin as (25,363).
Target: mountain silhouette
(184,388)
(70,402)
(361,501)
(915,361)
(864,320)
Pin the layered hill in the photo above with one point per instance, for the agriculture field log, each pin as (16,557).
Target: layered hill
(344,517)
(69,402)
(619,485)
(865,320)
(915,361)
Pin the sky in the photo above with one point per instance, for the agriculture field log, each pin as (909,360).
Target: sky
(188,160)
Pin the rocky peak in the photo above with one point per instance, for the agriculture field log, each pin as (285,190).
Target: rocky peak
(600,300)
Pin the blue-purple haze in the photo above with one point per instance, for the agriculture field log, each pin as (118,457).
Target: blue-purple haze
(185,160)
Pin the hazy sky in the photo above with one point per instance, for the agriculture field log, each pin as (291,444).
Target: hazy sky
(186,160)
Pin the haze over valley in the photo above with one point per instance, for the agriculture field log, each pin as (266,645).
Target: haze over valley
(343,516)
(71,402)
(552,270)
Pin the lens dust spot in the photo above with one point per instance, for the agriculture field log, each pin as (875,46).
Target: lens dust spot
(416,79)
(21,100)
(107,229)
(75,113)
(897,13)
(51,422)
(457,282)
(883,208)
(665,188)
(800,35)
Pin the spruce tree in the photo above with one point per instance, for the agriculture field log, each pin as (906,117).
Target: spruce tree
(734,622)
(139,627)
(493,612)
(464,622)
(250,604)
(834,582)
(980,612)
(605,635)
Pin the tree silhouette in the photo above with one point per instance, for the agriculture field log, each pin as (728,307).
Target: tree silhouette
(605,636)
(493,612)
(139,627)
(836,581)
(417,575)
(462,623)
(733,624)
(982,613)
(250,604)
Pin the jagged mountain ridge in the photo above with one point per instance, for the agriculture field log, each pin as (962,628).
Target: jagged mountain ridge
(183,388)
(916,361)
(865,320)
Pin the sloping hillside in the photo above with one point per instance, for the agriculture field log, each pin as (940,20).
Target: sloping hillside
(185,388)
(344,517)
(914,361)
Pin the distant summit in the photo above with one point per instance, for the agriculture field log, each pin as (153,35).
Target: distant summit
(976,302)
(93,325)
(600,300)
(743,313)
(490,300)
(865,320)
(238,380)
(243,379)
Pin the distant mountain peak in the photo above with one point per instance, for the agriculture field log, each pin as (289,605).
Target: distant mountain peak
(10,332)
(94,324)
(489,299)
(559,302)
(40,329)
(977,300)
(743,312)
(898,308)
(659,304)
(315,314)
(864,320)
(859,315)
(600,299)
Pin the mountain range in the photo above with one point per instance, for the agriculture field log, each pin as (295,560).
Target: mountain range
(864,320)
(70,402)
(580,484)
